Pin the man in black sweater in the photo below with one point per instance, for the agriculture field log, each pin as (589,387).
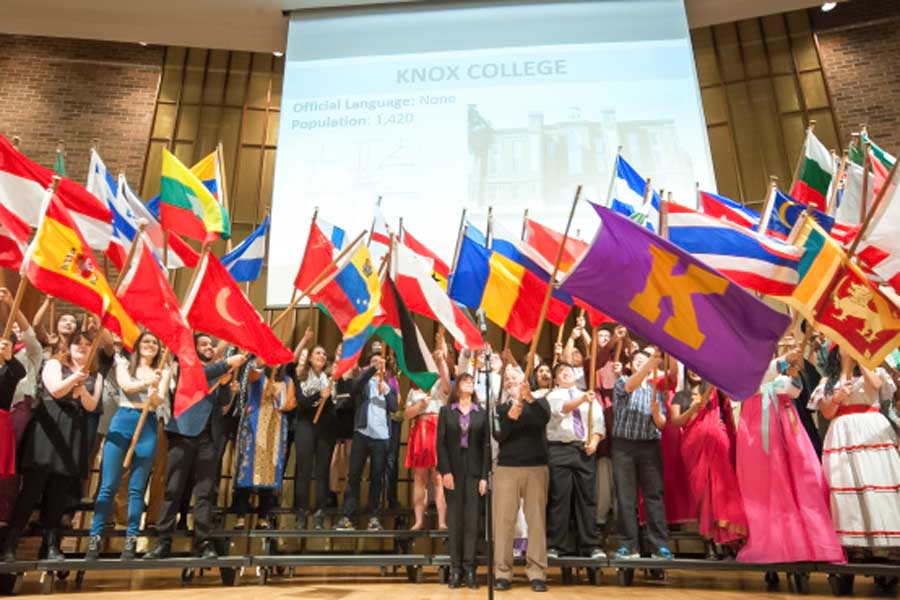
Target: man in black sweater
(194,440)
(521,474)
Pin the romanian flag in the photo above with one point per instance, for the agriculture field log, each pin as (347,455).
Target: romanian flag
(186,206)
(60,264)
(352,298)
(510,294)
(209,172)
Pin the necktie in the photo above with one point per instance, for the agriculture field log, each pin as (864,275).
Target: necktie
(577,423)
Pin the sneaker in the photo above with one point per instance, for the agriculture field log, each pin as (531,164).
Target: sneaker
(375,525)
(93,550)
(319,520)
(128,551)
(663,553)
(344,524)
(624,553)
(598,554)
(552,553)
(208,551)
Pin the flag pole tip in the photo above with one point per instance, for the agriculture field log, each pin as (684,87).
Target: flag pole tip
(142,223)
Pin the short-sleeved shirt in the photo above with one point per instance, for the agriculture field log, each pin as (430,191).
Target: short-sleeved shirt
(632,419)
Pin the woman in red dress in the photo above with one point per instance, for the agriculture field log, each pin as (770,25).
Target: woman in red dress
(707,447)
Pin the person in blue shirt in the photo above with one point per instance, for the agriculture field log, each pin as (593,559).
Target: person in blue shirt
(375,401)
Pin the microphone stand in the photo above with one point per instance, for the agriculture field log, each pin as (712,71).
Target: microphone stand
(489,408)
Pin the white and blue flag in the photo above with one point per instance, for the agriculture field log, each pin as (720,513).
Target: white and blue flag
(628,196)
(246,260)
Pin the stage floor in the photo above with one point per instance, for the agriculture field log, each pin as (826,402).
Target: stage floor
(363,584)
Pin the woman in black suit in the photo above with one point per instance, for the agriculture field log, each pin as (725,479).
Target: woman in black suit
(463,465)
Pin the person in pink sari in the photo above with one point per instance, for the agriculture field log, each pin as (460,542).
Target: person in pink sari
(707,448)
(780,478)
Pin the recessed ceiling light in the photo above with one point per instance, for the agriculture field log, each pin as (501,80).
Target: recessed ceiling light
(828,6)
(278,53)
(142,43)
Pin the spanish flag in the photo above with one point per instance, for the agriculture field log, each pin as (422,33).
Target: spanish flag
(59,263)
(186,206)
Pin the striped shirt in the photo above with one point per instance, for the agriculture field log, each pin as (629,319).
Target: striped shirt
(632,419)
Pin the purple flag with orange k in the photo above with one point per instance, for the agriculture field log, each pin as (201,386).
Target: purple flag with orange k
(668,297)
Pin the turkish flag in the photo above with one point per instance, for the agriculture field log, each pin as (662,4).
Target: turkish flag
(217,306)
(146,295)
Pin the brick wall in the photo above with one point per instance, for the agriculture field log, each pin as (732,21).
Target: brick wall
(859,45)
(75,90)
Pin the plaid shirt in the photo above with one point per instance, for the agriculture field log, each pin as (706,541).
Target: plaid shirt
(632,419)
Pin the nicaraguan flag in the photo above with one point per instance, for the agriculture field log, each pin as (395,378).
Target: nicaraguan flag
(628,196)
(245,262)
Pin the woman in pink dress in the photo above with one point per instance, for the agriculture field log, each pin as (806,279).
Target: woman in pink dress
(781,481)
(707,448)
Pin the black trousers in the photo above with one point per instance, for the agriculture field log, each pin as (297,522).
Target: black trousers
(267,500)
(38,483)
(639,463)
(392,464)
(312,458)
(186,455)
(572,500)
(463,517)
(362,449)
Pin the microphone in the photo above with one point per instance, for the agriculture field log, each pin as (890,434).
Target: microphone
(482,325)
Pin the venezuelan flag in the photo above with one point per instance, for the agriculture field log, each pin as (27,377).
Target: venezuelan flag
(352,298)
(509,293)
(207,171)
(59,263)
(186,206)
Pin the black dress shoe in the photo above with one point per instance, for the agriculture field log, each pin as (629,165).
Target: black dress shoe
(8,556)
(208,551)
(455,580)
(502,585)
(162,550)
(538,585)
(471,580)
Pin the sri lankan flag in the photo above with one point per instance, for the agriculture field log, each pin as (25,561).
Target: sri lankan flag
(186,206)
(59,263)
(837,296)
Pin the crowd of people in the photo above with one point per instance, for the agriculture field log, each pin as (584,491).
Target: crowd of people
(805,470)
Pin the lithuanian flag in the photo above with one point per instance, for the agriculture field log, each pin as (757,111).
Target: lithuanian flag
(60,264)
(186,206)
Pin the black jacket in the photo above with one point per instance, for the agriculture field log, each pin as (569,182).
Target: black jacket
(449,452)
(523,441)
(359,391)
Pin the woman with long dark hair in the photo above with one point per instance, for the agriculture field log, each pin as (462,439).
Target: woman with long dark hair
(859,454)
(141,380)
(463,464)
(54,448)
(707,446)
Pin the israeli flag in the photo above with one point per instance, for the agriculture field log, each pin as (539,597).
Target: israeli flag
(628,196)
(106,188)
(245,262)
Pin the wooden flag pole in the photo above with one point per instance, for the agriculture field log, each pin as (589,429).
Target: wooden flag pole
(529,365)
(592,382)
(17,302)
(52,315)
(612,179)
(865,181)
(832,198)
(324,277)
(145,410)
(16,142)
(766,215)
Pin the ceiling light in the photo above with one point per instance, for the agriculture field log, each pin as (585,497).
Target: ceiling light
(828,6)
(278,54)
(142,43)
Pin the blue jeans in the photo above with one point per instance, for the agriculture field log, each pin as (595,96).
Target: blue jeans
(114,450)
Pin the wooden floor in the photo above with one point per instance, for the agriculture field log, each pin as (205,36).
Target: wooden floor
(366,584)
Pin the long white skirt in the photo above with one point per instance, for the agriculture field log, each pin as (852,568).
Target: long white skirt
(862,467)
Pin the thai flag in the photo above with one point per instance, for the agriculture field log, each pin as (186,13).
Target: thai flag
(755,262)
(628,196)
(246,260)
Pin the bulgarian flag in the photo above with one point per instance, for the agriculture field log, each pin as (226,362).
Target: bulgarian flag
(815,174)
(186,206)
(396,327)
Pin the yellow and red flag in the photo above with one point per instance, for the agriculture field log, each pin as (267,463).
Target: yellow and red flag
(59,263)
